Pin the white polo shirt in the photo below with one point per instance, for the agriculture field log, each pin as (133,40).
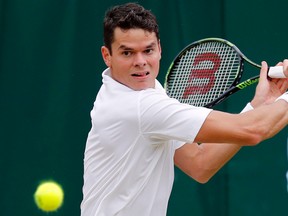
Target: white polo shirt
(128,163)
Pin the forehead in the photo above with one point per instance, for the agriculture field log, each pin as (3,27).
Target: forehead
(133,38)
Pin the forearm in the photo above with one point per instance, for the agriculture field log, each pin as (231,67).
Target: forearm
(215,156)
(266,121)
(201,162)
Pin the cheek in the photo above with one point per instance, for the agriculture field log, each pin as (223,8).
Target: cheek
(157,58)
(119,63)
(156,62)
(120,66)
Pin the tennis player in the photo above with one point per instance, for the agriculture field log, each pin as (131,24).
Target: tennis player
(138,133)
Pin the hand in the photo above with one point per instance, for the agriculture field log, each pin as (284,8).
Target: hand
(269,89)
(285,67)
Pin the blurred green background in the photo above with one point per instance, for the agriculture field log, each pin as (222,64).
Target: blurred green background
(50,72)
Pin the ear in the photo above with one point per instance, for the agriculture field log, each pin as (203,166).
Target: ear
(106,55)
(160,49)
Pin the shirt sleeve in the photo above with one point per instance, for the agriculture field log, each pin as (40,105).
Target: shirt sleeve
(165,118)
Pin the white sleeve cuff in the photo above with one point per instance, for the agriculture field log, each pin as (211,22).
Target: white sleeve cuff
(283,97)
(247,107)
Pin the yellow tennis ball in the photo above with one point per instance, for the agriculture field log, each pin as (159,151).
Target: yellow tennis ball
(49,196)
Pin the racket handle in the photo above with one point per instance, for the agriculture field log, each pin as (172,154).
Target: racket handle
(276,72)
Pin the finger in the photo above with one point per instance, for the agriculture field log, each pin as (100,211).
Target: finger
(285,85)
(264,70)
(279,64)
(282,85)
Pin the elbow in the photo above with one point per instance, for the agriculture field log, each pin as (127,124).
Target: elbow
(203,180)
(202,176)
(253,139)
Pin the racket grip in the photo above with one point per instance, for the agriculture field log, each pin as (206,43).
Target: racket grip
(276,72)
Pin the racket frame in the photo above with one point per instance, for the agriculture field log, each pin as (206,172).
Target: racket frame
(235,86)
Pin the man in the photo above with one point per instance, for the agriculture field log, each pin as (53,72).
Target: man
(138,133)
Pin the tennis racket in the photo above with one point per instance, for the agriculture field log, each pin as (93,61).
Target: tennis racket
(208,71)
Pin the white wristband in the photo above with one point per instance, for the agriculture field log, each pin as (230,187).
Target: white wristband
(247,108)
(283,97)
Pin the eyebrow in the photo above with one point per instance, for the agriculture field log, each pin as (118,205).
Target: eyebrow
(123,47)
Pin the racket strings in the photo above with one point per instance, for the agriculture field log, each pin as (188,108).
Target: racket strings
(203,73)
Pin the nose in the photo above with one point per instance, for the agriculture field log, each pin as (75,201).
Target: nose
(139,60)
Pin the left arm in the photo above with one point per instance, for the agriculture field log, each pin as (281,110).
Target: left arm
(201,162)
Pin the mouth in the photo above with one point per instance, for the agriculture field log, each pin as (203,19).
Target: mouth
(141,74)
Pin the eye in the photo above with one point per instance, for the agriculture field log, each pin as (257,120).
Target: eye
(126,53)
(149,51)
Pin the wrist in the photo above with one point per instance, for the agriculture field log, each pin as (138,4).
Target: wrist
(257,101)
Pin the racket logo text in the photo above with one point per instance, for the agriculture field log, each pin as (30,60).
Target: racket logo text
(202,73)
(246,83)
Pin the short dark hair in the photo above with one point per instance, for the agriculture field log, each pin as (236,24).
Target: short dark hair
(128,16)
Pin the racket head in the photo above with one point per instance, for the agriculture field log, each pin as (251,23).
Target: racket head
(204,71)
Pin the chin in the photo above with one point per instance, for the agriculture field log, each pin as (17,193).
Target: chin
(142,87)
